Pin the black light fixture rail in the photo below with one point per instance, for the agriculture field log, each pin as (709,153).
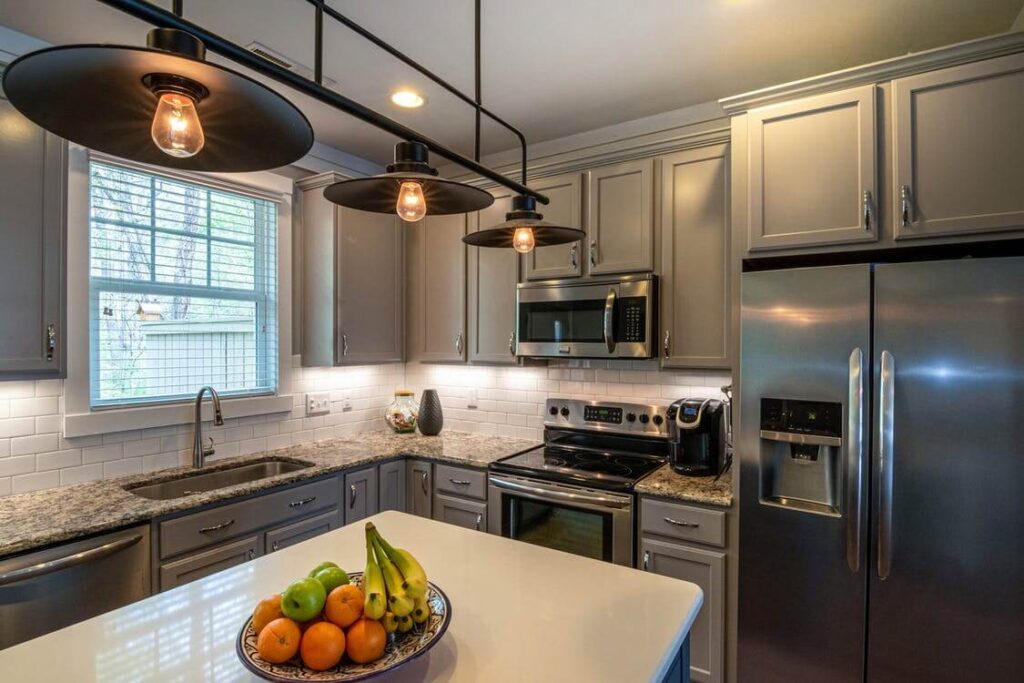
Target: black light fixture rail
(162,18)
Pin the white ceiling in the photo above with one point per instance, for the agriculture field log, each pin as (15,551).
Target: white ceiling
(553,68)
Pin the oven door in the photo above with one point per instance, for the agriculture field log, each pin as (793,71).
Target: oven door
(588,522)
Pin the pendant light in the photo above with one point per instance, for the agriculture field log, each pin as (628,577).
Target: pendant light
(410,188)
(162,104)
(523,230)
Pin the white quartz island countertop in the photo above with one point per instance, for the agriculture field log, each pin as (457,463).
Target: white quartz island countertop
(519,613)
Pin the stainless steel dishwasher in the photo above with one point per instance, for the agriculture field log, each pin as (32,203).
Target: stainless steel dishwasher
(49,589)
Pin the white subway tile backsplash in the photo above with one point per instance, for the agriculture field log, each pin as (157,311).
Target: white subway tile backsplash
(17,389)
(5,486)
(22,426)
(122,468)
(39,443)
(94,454)
(29,407)
(80,475)
(57,460)
(17,465)
(35,481)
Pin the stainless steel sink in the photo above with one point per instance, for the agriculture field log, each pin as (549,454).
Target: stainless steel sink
(201,482)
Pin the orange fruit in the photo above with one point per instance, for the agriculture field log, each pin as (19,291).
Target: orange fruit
(365,641)
(266,611)
(344,605)
(322,646)
(278,641)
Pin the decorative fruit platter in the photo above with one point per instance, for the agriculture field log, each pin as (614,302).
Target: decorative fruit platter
(335,627)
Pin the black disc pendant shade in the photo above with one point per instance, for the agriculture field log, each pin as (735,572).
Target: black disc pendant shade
(379,193)
(524,215)
(102,97)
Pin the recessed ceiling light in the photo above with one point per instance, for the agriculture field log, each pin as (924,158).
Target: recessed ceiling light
(407,98)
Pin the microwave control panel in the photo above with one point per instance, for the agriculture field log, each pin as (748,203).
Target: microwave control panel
(632,319)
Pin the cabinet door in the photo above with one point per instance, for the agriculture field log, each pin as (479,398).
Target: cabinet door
(812,166)
(468,514)
(695,258)
(419,487)
(32,245)
(491,285)
(436,289)
(706,569)
(566,209)
(360,494)
(370,288)
(281,538)
(620,217)
(958,157)
(194,567)
(391,481)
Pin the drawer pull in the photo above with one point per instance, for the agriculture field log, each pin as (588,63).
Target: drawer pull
(276,546)
(300,503)
(252,553)
(676,522)
(352,489)
(216,527)
(479,520)
(459,482)
(423,482)
(647,560)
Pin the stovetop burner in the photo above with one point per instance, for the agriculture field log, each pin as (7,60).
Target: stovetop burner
(601,468)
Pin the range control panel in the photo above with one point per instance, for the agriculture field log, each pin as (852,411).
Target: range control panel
(628,418)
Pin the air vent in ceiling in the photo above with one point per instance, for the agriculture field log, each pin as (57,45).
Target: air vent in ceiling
(285,63)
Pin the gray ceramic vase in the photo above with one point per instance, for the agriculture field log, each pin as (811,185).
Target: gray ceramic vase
(430,419)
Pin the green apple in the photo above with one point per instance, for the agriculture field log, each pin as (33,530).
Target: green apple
(331,577)
(322,565)
(303,600)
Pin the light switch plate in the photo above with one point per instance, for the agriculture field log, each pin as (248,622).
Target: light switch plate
(318,404)
(346,402)
(472,399)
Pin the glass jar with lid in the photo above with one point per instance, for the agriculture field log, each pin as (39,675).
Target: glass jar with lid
(402,413)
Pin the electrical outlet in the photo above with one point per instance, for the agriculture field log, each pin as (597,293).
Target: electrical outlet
(346,402)
(472,399)
(318,404)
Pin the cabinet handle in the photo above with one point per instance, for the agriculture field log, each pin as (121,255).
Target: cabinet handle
(252,552)
(459,482)
(512,343)
(867,209)
(216,527)
(352,500)
(647,560)
(906,206)
(479,520)
(276,546)
(593,252)
(423,482)
(344,344)
(574,256)
(665,344)
(458,343)
(300,503)
(676,522)
(51,341)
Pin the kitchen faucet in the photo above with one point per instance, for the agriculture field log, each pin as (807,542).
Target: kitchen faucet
(199,452)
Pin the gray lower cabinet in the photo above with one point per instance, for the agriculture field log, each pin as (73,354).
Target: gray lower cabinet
(695,258)
(470,514)
(958,150)
(32,248)
(491,279)
(360,495)
(566,209)
(219,558)
(279,539)
(419,486)
(436,289)
(620,217)
(706,568)
(391,486)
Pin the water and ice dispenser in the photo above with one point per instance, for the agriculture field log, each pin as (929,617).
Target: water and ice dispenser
(801,455)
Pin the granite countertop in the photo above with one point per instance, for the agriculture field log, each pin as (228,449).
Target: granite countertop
(666,483)
(41,518)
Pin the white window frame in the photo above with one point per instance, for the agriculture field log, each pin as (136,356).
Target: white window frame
(82,420)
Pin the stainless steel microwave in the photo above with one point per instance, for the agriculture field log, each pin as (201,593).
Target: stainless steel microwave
(587,319)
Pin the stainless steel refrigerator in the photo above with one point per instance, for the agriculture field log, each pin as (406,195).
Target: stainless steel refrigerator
(881,444)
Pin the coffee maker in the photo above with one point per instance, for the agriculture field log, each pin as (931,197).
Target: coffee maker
(696,429)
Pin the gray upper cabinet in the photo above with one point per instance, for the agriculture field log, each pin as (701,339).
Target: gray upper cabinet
(391,486)
(360,494)
(436,289)
(958,150)
(812,171)
(352,289)
(695,258)
(620,217)
(491,286)
(566,209)
(32,248)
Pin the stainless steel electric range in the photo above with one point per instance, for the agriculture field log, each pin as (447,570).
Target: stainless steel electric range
(575,493)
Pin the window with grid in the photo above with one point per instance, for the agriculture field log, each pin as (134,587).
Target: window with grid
(183,288)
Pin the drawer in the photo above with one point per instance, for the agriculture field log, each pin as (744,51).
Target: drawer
(200,565)
(461,481)
(682,521)
(201,529)
(297,532)
(465,513)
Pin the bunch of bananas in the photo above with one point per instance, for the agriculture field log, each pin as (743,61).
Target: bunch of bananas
(394,584)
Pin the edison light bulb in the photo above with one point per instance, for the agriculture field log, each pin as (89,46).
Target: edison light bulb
(411,204)
(176,129)
(522,240)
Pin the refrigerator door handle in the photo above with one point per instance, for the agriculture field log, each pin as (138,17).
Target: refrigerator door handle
(854,458)
(885,463)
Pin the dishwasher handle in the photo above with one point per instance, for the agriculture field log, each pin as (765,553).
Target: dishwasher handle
(68,561)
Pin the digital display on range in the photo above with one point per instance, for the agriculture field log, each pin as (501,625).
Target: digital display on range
(605,414)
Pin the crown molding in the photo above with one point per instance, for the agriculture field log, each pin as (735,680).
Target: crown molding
(320,180)
(886,70)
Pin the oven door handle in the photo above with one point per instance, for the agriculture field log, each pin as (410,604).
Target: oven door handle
(583,498)
(609,320)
